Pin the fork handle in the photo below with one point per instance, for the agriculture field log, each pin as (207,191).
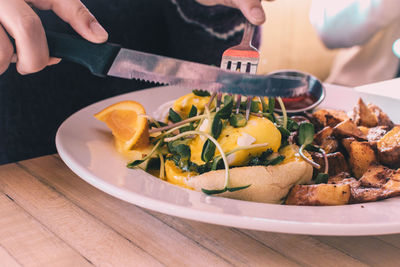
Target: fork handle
(96,57)
(248,33)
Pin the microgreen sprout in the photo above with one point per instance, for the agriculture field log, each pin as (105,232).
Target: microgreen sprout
(284,113)
(135,163)
(174,125)
(306,137)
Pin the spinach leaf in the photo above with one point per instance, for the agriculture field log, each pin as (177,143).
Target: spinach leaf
(173,116)
(306,133)
(201,93)
(207,154)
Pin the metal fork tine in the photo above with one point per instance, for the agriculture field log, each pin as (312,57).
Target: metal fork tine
(248,107)
(253,68)
(234,65)
(243,68)
(238,101)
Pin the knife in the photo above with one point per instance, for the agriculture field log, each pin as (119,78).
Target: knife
(111,60)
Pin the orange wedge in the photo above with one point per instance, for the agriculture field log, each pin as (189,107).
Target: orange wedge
(129,128)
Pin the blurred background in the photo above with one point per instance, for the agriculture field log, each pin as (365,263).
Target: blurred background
(286,36)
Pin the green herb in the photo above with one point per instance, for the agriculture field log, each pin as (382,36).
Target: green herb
(233,189)
(292,125)
(173,116)
(226,110)
(254,107)
(157,124)
(193,111)
(135,163)
(183,151)
(322,178)
(284,132)
(269,116)
(213,192)
(263,104)
(284,113)
(271,105)
(238,120)
(306,133)
(186,128)
(276,160)
(201,93)
(208,152)
(174,144)
(216,163)
(216,126)
(219,191)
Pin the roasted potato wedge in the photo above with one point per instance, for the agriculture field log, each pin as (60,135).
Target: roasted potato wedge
(389,148)
(319,195)
(347,128)
(326,141)
(376,176)
(363,194)
(329,117)
(363,116)
(339,178)
(336,162)
(361,155)
(383,118)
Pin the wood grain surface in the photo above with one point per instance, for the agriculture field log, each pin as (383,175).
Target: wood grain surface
(50,217)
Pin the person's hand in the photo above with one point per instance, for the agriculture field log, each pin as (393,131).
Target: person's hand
(251,9)
(19,20)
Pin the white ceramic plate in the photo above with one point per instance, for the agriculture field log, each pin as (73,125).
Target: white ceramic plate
(86,147)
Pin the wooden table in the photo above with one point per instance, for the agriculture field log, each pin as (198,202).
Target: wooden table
(50,217)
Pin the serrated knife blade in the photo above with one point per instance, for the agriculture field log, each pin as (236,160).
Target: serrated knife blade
(131,64)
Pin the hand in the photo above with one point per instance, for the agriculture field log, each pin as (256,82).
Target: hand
(251,9)
(20,21)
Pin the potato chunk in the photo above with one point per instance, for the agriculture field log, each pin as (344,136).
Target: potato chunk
(330,117)
(326,141)
(389,148)
(361,156)
(363,116)
(376,176)
(319,195)
(336,162)
(347,128)
(383,118)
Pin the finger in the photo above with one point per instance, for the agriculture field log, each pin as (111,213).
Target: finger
(6,50)
(252,10)
(81,20)
(25,27)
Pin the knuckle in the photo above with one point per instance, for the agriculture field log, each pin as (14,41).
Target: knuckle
(29,24)
(81,11)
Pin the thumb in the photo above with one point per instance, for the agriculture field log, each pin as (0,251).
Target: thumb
(252,10)
(81,20)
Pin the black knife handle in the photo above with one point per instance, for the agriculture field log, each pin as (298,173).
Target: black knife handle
(96,57)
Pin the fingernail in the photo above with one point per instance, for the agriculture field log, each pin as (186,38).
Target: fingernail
(98,30)
(257,13)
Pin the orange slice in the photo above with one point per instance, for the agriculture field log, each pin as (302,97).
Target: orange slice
(129,128)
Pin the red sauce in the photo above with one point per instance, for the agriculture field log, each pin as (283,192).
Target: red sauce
(299,102)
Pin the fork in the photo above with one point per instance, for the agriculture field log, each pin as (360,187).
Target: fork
(244,58)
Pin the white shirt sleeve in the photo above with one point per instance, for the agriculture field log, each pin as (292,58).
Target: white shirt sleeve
(345,23)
